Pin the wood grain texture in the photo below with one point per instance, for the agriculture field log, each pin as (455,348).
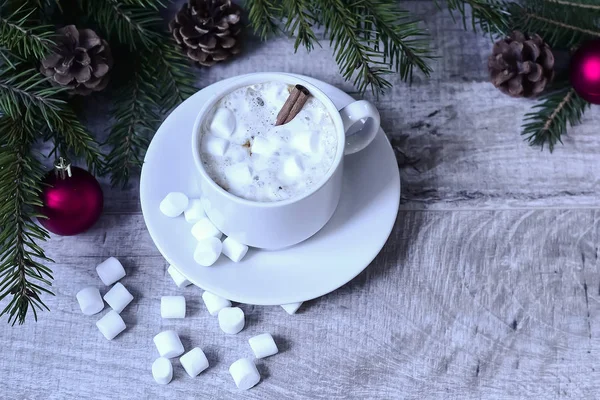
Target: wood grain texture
(488,288)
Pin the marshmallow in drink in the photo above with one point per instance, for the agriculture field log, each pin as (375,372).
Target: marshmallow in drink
(234,249)
(215,145)
(262,146)
(162,370)
(194,361)
(118,297)
(110,271)
(204,229)
(174,204)
(208,251)
(292,167)
(111,324)
(306,141)
(214,303)
(90,301)
(177,277)
(244,373)
(172,307)
(168,344)
(239,174)
(263,345)
(223,122)
(195,211)
(231,320)
(291,308)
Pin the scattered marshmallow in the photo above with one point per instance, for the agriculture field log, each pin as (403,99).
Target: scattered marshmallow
(231,320)
(234,249)
(177,277)
(118,297)
(110,271)
(263,345)
(244,373)
(239,173)
(90,301)
(208,251)
(291,308)
(162,370)
(203,229)
(292,167)
(172,307)
(195,211)
(262,146)
(215,146)
(223,122)
(214,303)
(174,204)
(168,344)
(111,324)
(306,142)
(194,361)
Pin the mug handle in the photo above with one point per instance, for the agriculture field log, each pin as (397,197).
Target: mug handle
(353,113)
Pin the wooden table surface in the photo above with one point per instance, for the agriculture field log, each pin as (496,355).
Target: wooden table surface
(488,288)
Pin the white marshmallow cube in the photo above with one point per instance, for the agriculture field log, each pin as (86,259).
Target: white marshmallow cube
(168,344)
(234,249)
(263,345)
(208,251)
(177,277)
(162,370)
(262,146)
(194,361)
(194,212)
(174,204)
(223,122)
(203,229)
(244,373)
(215,146)
(172,307)
(292,167)
(231,320)
(306,141)
(90,301)
(239,173)
(111,324)
(214,303)
(291,308)
(110,271)
(118,297)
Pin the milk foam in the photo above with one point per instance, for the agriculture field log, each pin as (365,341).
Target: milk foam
(283,168)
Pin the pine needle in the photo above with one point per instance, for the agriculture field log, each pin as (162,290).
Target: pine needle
(263,15)
(23,34)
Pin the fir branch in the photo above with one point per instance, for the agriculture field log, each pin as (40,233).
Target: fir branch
(155,4)
(300,20)
(576,4)
(548,122)
(136,120)
(263,15)
(27,95)
(22,273)
(172,74)
(23,35)
(131,25)
(490,15)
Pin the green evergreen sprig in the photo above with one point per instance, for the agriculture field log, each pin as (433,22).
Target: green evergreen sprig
(22,34)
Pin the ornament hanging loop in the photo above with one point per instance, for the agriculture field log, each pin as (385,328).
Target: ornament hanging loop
(62,168)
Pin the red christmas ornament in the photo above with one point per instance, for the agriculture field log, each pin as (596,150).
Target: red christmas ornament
(72,199)
(585,71)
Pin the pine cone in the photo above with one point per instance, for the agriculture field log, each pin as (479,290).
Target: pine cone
(521,65)
(81,61)
(207,30)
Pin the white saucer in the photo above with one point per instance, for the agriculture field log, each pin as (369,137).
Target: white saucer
(340,251)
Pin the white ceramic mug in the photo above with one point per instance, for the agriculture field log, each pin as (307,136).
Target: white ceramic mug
(274,225)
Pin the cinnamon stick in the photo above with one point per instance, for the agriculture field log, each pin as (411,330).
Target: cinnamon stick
(292,105)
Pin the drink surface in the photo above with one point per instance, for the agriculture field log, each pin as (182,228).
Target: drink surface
(245,154)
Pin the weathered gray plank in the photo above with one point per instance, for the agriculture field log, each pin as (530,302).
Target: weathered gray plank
(459,305)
